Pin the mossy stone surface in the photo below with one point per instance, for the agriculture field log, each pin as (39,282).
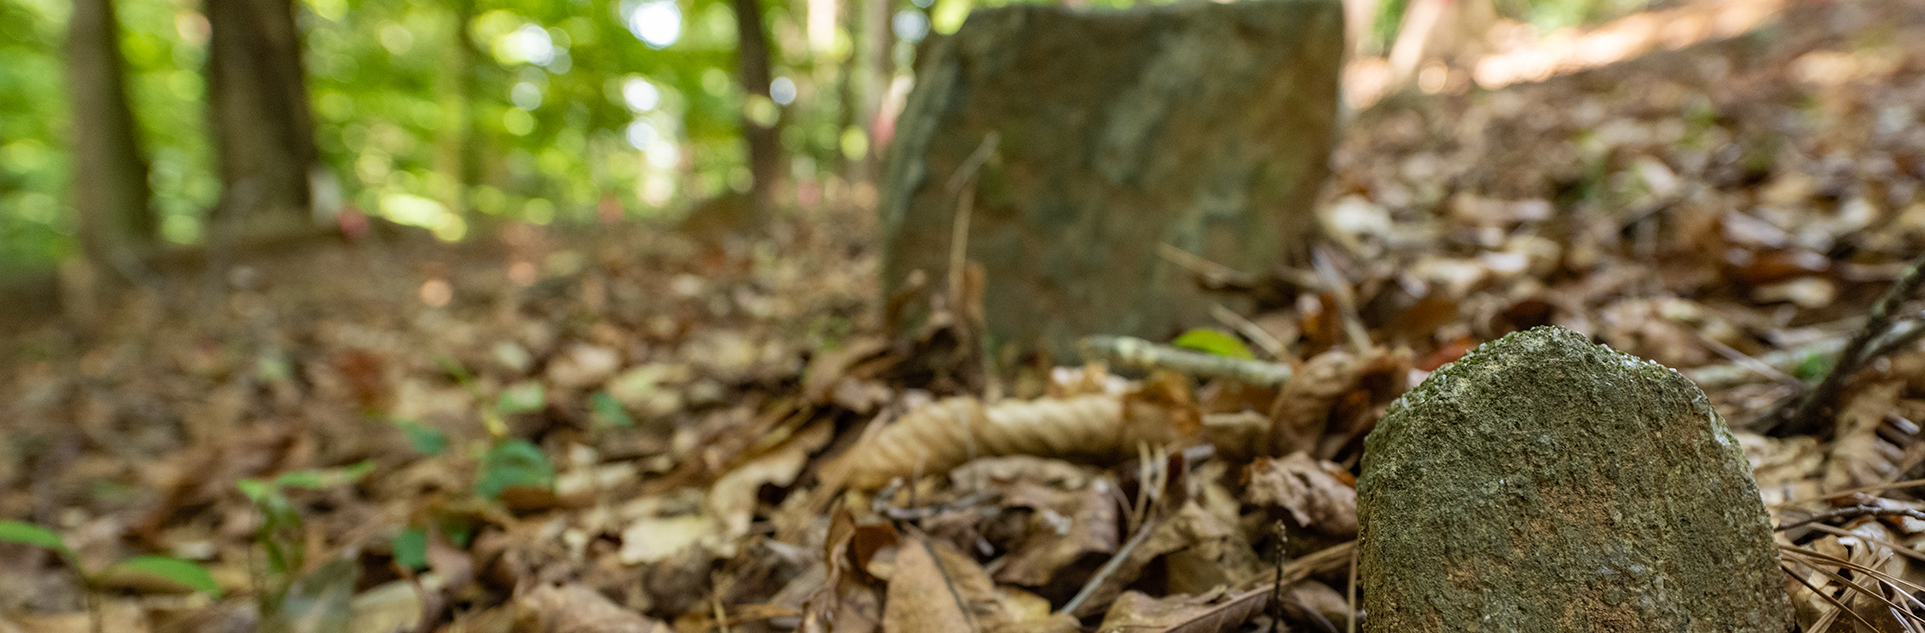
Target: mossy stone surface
(1544,483)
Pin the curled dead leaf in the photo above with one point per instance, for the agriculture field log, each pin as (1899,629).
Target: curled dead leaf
(1316,495)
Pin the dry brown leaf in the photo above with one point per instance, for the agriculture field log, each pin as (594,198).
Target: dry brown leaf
(576,608)
(734,496)
(1191,526)
(1136,612)
(583,366)
(1065,527)
(1859,455)
(922,597)
(1332,397)
(943,435)
(1315,495)
(843,598)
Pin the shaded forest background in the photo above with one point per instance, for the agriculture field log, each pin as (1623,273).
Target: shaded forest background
(463,114)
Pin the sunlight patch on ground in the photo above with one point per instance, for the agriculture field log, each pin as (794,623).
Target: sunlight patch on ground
(1523,57)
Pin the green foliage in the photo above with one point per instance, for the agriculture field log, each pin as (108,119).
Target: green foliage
(1213,341)
(184,573)
(411,548)
(1813,367)
(522,397)
(34,164)
(425,440)
(280,532)
(172,569)
(609,411)
(30,534)
(514,463)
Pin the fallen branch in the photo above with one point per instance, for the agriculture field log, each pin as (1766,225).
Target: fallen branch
(1806,417)
(1853,513)
(1141,354)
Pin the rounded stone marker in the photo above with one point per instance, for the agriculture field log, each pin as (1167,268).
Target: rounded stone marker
(1543,483)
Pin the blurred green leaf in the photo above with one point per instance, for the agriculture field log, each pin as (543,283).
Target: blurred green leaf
(513,463)
(255,490)
(1813,367)
(424,440)
(411,548)
(186,573)
(610,410)
(1213,341)
(324,478)
(521,397)
(30,534)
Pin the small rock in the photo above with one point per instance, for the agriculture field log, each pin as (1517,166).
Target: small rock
(1543,483)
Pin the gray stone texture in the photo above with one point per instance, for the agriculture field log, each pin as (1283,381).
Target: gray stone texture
(1207,126)
(1543,483)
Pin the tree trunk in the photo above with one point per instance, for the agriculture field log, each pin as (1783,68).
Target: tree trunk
(881,67)
(461,153)
(765,151)
(258,105)
(110,171)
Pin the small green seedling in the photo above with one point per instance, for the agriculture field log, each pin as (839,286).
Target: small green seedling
(280,532)
(609,411)
(514,463)
(177,571)
(425,440)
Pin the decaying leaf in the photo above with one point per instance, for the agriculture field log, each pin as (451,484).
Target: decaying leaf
(1190,526)
(1065,528)
(943,435)
(1330,400)
(1209,613)
(1314,495)
(925,595)
(576,608)
(1861,455)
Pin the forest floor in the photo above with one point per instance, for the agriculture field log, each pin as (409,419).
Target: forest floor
(627,428)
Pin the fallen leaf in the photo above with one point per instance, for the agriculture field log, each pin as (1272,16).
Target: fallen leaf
(574,608)
(922,598)
(1315,495)
(1136,612)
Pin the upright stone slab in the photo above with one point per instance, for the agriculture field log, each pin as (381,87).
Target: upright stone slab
(1204,125)
(1542,483)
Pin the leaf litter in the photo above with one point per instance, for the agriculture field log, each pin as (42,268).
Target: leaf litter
(630,430)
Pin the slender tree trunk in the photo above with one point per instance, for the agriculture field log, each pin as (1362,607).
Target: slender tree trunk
(461,153)
(881,66)
(110,171)
(258,106)
(764,144)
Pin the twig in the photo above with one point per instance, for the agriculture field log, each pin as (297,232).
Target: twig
(959,185)
(1853,513)
(1249,329)
(1726,375)
(1804,419)
(1904,333)
(1136,352)
(1212,273)
(1115,562)
(1835,577)
(1351,598)
(1851,491)
(1828,597)
(1747,361)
